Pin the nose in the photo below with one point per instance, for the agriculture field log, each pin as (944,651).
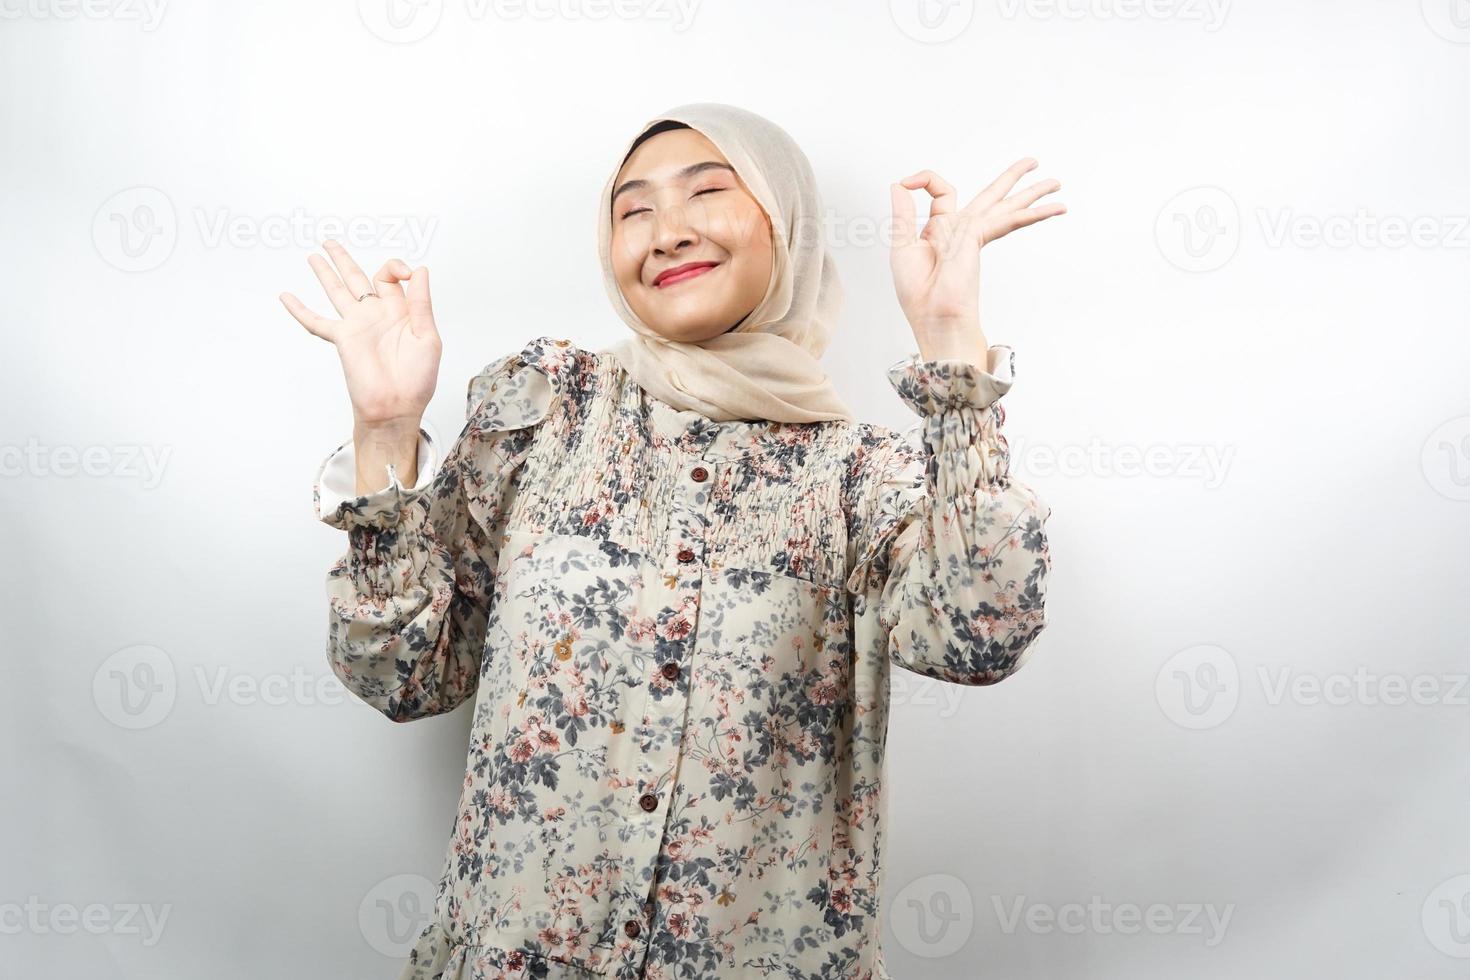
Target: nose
(672,231)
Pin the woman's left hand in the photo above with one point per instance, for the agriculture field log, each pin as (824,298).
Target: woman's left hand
(936,272)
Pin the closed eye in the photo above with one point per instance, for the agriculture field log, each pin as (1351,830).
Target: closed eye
(707,190)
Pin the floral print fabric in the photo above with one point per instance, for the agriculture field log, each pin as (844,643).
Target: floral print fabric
(676,637)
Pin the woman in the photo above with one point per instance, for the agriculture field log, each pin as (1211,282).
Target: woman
(673,575)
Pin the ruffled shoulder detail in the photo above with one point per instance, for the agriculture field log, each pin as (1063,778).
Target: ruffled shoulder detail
(892,485)
(517,390)
(505,404)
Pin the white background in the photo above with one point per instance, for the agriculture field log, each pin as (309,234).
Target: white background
(1250,700)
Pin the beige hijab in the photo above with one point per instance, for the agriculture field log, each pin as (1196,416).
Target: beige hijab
(766,367)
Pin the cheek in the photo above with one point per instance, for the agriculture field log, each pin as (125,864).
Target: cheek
(751,274)
(739,230)
(753,252)
(627,256)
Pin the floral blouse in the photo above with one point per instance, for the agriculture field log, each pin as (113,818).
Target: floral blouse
(675,635)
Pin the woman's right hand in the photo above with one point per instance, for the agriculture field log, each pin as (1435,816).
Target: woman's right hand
(388,343)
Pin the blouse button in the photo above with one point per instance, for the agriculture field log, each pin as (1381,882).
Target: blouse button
(700,474)
(631,928)
(686,554)
(648,801)
(670,670)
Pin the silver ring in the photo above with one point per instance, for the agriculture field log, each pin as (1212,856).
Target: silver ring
(366,295)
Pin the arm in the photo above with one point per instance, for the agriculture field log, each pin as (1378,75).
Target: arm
(954,557)
(951,552)
(409,600)
(337,480)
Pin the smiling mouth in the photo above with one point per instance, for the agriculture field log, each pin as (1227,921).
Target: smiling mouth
(684,275)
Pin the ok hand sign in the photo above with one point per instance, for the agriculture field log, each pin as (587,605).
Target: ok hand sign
(386,339)
(936,272)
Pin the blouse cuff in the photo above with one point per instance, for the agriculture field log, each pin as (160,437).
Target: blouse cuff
(960,420)
(338,503)
(932,387)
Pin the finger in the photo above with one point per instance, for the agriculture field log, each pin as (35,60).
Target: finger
(903,216)
(393,272)
(1034,193)
(420,308)
(352,275)
(938,188)
(1002,185)
(342,300)
(1020,219)
(319,326)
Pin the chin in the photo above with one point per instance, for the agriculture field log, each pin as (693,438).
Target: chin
(691,334)
(690,329)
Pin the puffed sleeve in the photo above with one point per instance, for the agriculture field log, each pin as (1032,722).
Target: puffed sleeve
(408,602)
(951,552)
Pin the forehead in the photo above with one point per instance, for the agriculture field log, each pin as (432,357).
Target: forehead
(659,157)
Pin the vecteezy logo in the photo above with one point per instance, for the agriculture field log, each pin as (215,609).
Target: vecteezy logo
(1198,687)
(1450,19)
(394,912)
(1198,230)
(400,21)
(1446,917)
(933,916)
(135,687)
(932,21)
(1445,458)
(135,229)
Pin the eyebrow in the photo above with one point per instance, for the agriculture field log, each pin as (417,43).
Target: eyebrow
(685,174)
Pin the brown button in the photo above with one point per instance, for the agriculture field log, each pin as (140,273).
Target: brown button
(670,670)
(632,928)
(686,554)
(648,801)
(700,474)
